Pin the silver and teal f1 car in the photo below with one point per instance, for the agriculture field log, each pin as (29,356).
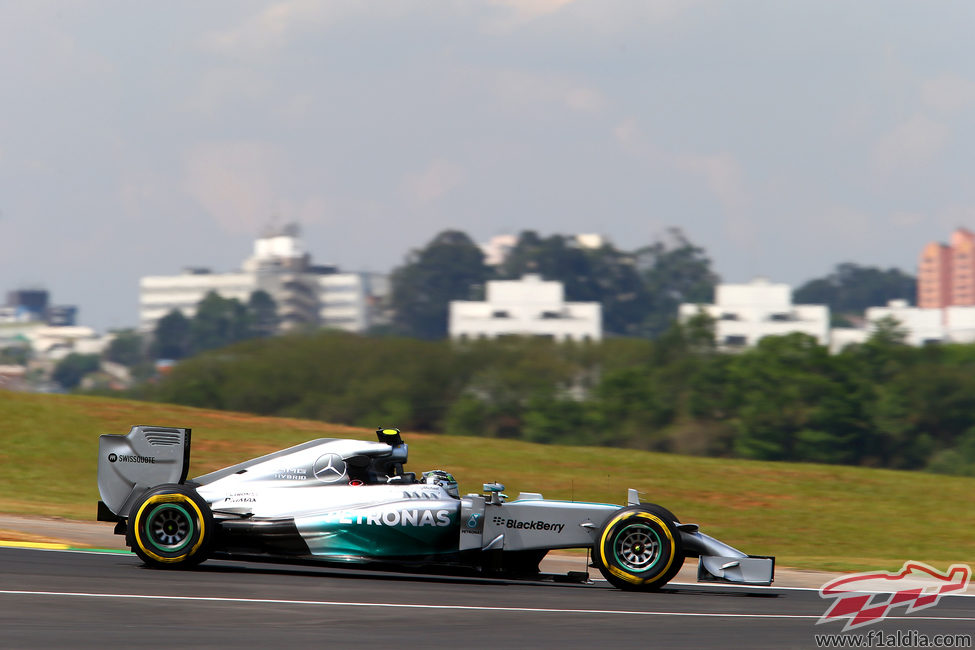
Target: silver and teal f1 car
(350,501)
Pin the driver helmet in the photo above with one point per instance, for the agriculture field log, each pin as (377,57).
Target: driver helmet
(444,479)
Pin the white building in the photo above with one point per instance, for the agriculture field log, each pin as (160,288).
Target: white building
(161,294)
(497,248)
(306,295)
(840,337)
(745,313)
(960,324)
(924,326)
(351,301)
(58,342)
(526,307)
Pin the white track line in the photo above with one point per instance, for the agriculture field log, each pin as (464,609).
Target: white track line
(476,608)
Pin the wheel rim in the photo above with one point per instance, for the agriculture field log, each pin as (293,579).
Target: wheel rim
(169,527)
(637,547)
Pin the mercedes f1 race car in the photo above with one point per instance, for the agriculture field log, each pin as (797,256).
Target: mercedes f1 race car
(350,501)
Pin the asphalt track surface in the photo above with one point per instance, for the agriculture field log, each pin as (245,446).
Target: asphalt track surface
(83,599)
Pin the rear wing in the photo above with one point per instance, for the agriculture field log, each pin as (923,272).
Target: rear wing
(130,464)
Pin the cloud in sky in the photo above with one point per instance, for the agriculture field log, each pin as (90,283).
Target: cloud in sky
(274,26)
(234,183)
(130,129)
(722,174)
(911,145)
(514,14)
(434,182)
(948,93)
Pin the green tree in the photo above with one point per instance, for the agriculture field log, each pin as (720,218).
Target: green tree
(674,272)
(171,337)
(218,322)
(72,369)
(263,314)
(508,377)
(923,409)
(604,275)
(450,267)
(126,348)
(958,460)
(850,288)
(331,376)
(554,258)
(15,355)
(792,402)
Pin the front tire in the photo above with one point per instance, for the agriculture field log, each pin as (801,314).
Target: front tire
(170,527)
(639,548)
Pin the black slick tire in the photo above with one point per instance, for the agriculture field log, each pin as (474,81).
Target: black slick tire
(639,548)
(170,527)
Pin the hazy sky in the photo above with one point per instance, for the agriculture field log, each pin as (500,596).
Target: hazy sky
(784,137)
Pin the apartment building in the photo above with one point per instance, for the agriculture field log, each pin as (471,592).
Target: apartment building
(745,313)
(306,295)
(530,306)
(946,273)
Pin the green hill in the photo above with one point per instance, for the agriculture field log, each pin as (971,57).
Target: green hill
(812,516)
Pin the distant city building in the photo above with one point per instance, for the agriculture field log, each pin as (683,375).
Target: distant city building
(32,306)
(33,301)
(840,337)
(62,315)
(745,313)
(10,314)
(306,295)
(946,273)
(934,277)
(18,334)
(922,326)
(497,248)
(530,306)
(352,301)
(58,342)
(590,240)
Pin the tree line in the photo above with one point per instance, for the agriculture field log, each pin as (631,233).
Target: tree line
(639,290)
(880,403)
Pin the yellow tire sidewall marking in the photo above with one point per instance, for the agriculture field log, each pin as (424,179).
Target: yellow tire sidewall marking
(168,498)
(619,573)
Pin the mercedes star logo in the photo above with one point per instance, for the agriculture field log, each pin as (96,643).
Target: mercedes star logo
(329,468)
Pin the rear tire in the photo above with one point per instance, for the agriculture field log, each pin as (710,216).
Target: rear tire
(639,548)
(170,527)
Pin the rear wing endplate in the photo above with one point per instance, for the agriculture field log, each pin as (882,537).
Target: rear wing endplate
(145,457)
